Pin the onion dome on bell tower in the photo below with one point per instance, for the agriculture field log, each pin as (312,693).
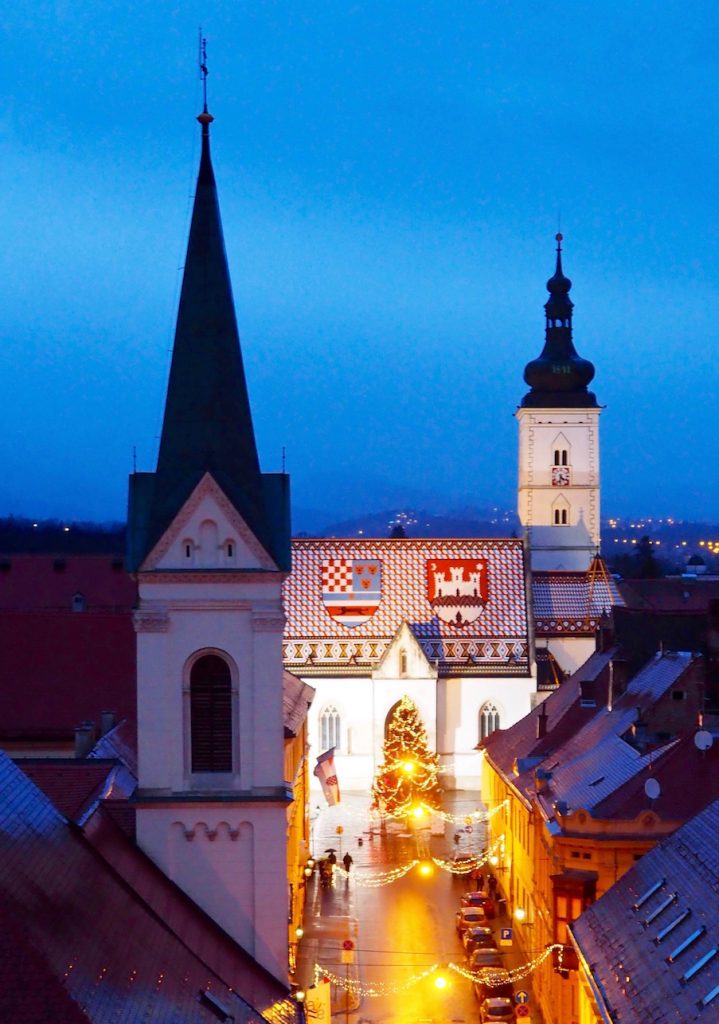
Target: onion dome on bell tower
(559,376)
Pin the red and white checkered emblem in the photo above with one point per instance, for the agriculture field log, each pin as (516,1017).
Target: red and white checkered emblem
(351,589)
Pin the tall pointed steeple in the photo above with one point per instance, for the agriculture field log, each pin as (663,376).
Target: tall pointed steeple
(207,426)
(208,423)
(559,377)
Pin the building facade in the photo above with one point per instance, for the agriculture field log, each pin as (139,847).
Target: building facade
(443,621)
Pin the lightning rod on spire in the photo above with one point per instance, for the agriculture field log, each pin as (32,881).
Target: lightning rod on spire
(202,62)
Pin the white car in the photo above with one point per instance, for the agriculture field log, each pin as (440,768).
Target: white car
(469,917)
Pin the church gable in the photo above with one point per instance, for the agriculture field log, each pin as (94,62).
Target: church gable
(208,533)
(404,658)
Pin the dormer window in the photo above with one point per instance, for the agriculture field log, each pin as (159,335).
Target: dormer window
(403,663)
(188,551)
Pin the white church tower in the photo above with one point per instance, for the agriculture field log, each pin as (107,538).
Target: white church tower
(209,544)
(558,499)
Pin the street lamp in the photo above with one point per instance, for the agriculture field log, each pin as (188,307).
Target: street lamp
(426,869)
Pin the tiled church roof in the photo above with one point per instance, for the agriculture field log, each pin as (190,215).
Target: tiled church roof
(496,642)
(572,603)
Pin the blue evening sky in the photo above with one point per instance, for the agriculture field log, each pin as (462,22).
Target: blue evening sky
(390,178)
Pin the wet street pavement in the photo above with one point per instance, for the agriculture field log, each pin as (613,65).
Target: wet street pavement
(399,930)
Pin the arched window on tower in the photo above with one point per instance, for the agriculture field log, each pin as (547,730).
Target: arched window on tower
(488,719)
(403,662)
(329,728)
(211,715)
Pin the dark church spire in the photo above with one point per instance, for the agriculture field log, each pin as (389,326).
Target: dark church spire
(207,427)
(559,377)
(208,424)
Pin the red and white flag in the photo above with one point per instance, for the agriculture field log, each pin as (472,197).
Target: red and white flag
(325,772)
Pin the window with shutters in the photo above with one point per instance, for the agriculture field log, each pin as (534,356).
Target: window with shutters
(211,715)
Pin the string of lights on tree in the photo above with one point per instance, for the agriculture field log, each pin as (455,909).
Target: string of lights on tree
(378,989)
(409,775)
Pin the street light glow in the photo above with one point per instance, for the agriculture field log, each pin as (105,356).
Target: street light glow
(494,860)
(408,767)
(519,913)
(426,869)
(440,981)
(418,812)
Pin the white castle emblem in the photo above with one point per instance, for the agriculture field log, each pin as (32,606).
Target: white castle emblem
(457,590)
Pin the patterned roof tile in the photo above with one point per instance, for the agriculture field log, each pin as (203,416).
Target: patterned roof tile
(572,602)
(494,642)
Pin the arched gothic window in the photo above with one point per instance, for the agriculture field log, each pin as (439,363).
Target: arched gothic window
(211,715)
(488,719)
(329,728)
(403,662)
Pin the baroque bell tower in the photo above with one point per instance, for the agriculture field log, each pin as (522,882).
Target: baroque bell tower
(558,494)
(209,546)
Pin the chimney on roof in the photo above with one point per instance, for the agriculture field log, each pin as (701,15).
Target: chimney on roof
(605,632)
(587,694)
(107,722)
(542,722)
(84,739)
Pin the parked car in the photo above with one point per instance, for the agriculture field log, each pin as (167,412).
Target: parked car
(485,957)
(479,899)
(493,983)
(468,917)
(497,1010)
(478,938)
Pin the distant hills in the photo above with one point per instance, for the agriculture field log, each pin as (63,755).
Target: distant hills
(671,543)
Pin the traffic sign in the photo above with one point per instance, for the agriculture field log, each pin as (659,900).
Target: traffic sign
(339,830)
(522,1011)
(521,997)
(347,956)
(505,936)
(348,944)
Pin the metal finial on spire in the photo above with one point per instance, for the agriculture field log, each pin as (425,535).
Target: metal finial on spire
(202,61)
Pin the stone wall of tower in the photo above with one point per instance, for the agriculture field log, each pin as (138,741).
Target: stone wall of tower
(542,432)
(220,837)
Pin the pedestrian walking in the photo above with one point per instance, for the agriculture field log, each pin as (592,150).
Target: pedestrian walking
(492,885)
(332,858)
(480,881)
(347,861)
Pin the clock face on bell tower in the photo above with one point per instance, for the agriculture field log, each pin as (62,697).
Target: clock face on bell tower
(561,476)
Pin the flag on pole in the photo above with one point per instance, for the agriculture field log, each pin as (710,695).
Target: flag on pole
(325,772)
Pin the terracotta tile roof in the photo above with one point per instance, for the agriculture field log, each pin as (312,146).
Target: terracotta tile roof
(296,699)
(670,594)
(119,743)
(128,944)
(688,778)
(29,990)
(628,934)
(510,749)
(494,643)
(44,583)
(68,668)
(595,761)
(69,785)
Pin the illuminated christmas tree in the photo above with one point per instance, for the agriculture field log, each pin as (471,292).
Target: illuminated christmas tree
(409,777)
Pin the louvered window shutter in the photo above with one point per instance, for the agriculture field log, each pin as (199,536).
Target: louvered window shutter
(211,715)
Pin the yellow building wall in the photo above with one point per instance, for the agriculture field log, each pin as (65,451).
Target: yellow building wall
(531,856)
(298,834)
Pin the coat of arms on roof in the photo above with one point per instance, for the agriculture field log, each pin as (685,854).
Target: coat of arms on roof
(351,589)
(457,589)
